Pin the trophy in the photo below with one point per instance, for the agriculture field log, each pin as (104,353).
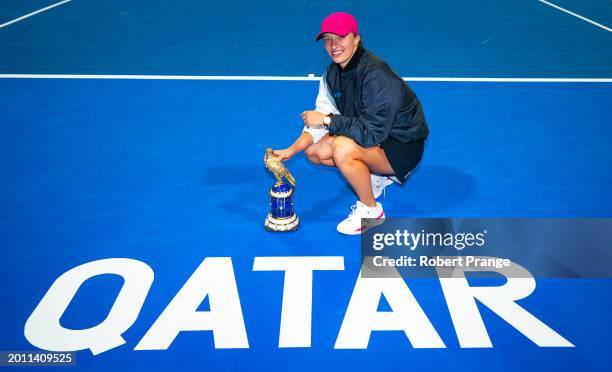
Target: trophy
(282,217)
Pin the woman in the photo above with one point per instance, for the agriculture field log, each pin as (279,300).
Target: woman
(367,121)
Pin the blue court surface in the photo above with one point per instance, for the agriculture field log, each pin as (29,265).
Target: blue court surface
(156,156)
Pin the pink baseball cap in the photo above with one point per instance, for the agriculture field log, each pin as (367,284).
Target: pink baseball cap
(339,23)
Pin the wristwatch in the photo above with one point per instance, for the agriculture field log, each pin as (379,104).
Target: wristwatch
(327,119)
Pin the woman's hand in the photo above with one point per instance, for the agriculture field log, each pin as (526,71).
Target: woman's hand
(312,118)
(283,154)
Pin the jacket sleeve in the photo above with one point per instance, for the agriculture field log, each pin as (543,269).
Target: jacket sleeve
(380,97)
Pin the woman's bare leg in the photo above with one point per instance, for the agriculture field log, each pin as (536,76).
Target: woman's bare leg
(321,152)
(356,163)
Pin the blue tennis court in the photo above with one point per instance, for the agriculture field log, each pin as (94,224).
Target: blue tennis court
(133,129)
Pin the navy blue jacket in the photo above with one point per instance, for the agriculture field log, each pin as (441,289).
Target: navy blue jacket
(374,102)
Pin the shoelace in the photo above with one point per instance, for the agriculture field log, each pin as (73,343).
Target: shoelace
(353,210)
(384,188)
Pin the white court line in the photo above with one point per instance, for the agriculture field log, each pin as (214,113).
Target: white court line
(310,77)
(33,13)
(576,15)
(156,77)
(512,80)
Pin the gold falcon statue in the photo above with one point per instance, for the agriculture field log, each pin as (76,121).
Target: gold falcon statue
(276,166)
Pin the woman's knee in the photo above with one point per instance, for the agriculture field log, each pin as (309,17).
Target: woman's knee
(343,148)
(312,154)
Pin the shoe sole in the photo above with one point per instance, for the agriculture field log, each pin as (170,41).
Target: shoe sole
(374,222)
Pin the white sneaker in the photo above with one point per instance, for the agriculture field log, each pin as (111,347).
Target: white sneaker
(352,224)
(379,183)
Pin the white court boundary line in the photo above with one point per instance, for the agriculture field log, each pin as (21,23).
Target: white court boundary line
(310,77)
(576,15)
(34,13)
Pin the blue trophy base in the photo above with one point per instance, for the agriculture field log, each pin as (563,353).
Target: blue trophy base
(282,216)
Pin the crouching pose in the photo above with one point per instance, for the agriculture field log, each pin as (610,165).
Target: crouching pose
(368,123)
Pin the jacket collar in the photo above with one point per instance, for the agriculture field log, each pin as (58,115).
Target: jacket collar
(354,60)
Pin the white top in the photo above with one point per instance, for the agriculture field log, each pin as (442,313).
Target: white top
(325,105)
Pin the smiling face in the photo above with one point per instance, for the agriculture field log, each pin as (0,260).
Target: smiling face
(341,48)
